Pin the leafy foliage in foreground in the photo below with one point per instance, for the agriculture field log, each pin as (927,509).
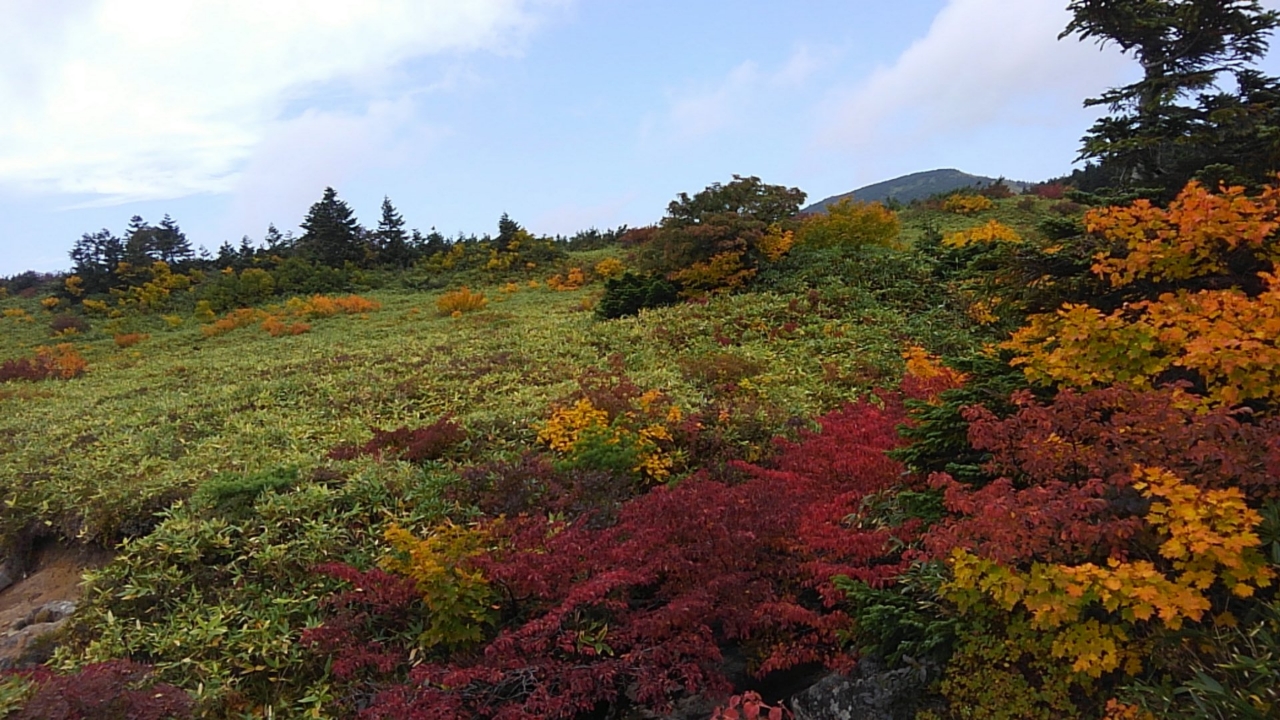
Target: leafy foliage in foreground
(639,611)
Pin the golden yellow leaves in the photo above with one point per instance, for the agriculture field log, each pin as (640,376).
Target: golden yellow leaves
(1209,538)
(992,232)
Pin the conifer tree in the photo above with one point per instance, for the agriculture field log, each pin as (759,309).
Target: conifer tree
(1180,120)
(330,234)
(393,242)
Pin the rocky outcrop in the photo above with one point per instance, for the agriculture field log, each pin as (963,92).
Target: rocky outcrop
(31,640)
(872,692)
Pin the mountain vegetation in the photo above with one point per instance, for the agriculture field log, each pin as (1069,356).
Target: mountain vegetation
(979,455)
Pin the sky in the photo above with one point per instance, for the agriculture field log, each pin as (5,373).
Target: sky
(229,115)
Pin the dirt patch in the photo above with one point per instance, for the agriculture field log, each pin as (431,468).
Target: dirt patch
(37,604)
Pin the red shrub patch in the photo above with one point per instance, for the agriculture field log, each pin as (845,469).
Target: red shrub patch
(404,443)
(637,612)
(115,689)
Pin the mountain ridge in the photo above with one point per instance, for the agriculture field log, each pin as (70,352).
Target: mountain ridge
(914,186)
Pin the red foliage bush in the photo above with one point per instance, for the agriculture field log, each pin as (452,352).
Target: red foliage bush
(638,612)
(58,362)
(115,690)
(1104,433)
(356,633)
(1050,191)
(533,484)
(65,322)
(409,444)
(1065,489)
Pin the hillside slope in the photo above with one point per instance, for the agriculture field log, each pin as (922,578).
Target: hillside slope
(915,186)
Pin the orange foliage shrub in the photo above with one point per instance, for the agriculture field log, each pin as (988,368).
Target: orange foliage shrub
(276,327)
(1228,338)
(1195,237)
(128,340)
(243,317)
(460,301)
(572,280)
(61,362)
(724,272)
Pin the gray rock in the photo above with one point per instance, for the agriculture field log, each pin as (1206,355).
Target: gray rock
(872,692)
(48,613)
(31,646)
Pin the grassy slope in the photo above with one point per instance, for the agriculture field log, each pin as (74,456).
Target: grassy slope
(94,458)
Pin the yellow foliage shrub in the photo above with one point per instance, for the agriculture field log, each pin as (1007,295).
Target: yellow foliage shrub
(609,268)
(95,307)
(848,224)
(1209,539)
(460,301)
(963,204)
(459,598)
(724,272)
(992,232)
(776,243)
(74,285)
(50,303)
(645,429)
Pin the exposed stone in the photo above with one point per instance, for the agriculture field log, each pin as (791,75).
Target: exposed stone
(872,692)
(48,613)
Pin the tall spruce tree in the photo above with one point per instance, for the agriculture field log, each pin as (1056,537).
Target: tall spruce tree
(393,242)
(330,234)
(1200,109)
(508,230)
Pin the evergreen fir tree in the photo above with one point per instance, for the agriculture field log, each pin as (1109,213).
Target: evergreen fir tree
(330,234)
(1180,121)
(171,244)
(508,229)
(393,243)
(95,258)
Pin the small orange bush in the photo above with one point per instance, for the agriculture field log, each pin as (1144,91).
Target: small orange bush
(572,280)
(62,361)
(276,327)
(127,340)
(243,317)
(460,301)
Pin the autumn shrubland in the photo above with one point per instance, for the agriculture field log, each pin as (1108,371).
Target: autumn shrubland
(487,501)
(1022,450)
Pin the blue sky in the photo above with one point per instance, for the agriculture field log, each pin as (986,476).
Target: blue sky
(566,114)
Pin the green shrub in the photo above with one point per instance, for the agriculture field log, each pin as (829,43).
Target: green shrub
(631,293)
(231,494)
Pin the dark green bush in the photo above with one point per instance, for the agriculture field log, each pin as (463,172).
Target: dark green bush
(631,293)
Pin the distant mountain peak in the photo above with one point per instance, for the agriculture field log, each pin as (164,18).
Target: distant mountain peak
(915,186)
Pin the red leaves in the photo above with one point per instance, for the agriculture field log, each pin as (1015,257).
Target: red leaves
(748,706)
(119,688)
(408,444)
(1104,433)
(637,612)
(1065,489)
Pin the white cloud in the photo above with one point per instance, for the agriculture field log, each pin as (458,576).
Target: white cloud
(149,99)
(982,63)
(700,112)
